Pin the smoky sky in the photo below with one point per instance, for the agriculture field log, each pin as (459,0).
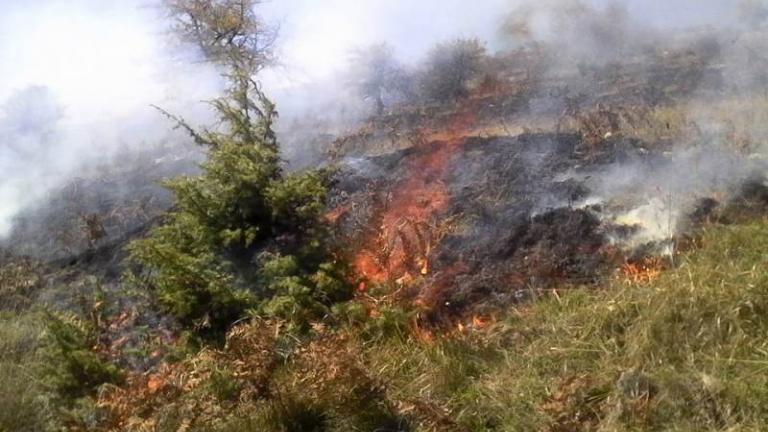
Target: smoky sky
(77,77)
(77,81)
(316,37)
(105,57)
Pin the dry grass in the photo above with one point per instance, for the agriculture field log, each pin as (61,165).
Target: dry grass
(686,351)
(739,123)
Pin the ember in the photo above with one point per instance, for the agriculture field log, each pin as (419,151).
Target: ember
(477,322)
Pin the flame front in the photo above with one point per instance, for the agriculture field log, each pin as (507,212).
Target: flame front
(402,245)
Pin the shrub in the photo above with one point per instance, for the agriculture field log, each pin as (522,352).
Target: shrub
(378,77)
(19,281)
(243,234)
(74,369)
(449,69)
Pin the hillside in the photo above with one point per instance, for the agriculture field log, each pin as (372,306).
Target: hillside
(681,350)
(541,245)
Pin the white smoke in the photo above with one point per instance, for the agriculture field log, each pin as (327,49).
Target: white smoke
(79,79)
(90,69)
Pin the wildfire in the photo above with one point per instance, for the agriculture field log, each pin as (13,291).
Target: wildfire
(643,271)
(366,264)
(403,243)
(423,334)
(477,322)
(334,215)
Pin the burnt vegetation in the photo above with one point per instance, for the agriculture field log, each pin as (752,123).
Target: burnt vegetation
(538,238)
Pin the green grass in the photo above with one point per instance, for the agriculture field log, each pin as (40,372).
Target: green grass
(48,378)
(687,351)
(23,398)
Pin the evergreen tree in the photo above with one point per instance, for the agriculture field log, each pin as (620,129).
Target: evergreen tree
(243,234)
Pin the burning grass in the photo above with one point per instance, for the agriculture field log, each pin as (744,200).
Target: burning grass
(643,270)
(400,248)
(684,350)
(439,221)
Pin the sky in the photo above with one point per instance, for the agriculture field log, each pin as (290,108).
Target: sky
(102,57)
(103,63)
(93,56)
(98,65)
(316,37)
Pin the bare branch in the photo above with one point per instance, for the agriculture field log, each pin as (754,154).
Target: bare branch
(181,123)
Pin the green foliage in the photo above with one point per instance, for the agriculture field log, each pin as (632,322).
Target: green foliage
(74,369)
(228,202)
(298,201)
(49,372)
(350,314)
(224,385)
(225,219)
(391,322)
(23,397)
(243,235)
(187,277)
(299,294)
(49,365)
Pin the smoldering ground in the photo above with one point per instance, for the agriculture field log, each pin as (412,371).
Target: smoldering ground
(547,206)
(90,78)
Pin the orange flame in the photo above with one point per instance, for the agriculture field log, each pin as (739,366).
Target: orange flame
(477,322)
(643,271)
(402,245)
(334,215)
(421,333)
